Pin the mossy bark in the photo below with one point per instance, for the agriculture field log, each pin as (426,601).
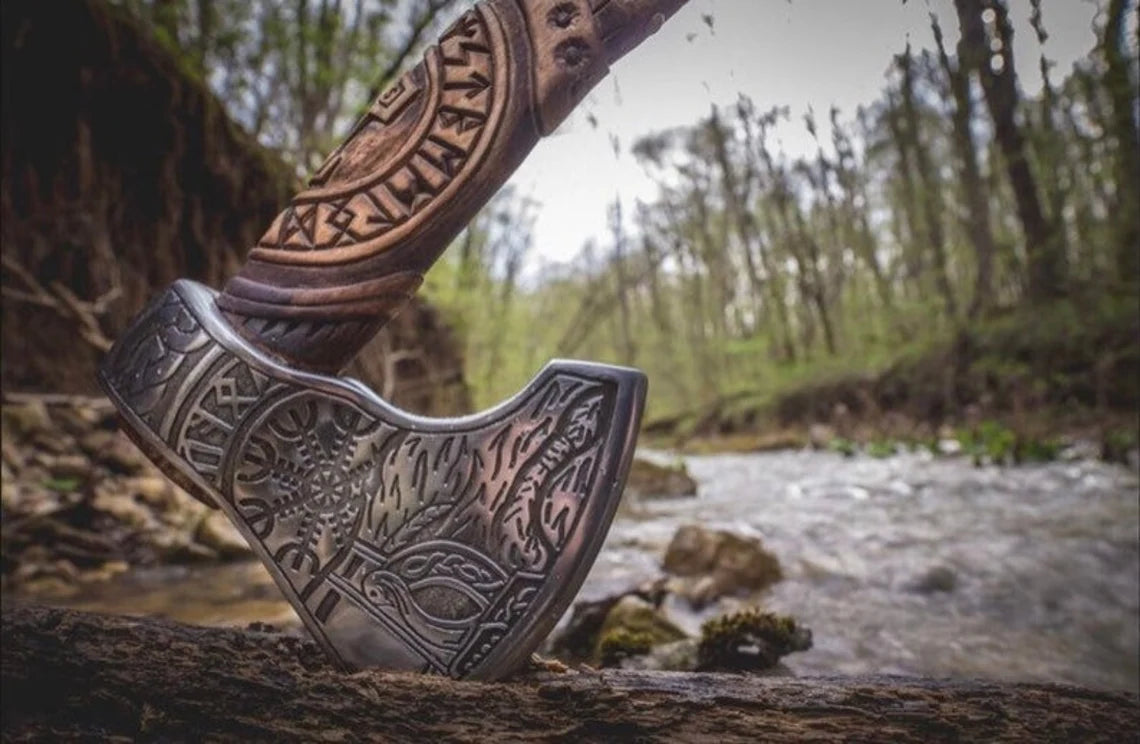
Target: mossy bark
(70,675)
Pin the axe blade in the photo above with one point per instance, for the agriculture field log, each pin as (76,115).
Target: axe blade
(448,546)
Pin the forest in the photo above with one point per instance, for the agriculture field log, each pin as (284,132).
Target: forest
(887,471)
(953,207)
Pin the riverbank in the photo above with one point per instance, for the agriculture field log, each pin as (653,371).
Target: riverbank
(1044,378)
(908,564)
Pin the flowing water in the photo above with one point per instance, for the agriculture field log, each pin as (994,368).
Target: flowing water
(1045,560)
(1039,566)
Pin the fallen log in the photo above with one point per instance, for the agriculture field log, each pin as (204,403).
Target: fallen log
(68,675)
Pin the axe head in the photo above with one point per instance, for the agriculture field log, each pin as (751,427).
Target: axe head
(449,546)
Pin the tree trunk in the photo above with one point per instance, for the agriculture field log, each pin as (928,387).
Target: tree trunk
(1121,90)
(627,350)
(736,190)
(912,255)
(72,675)
(931,196)
(974,193)
(1045,259)
(857,205)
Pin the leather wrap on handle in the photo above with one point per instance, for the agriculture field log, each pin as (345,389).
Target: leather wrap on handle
(350,250)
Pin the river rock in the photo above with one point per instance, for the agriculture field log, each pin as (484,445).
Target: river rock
(85,414)
(97,442)
(633,626)
(121,504)
(122,456)
(217,533)
(749,641)
(176,547)
(71,466)
(716,563)
(576,641)
(939,579)
(153,489)
(648,480)
(820,436)
(28,418)
(675,656)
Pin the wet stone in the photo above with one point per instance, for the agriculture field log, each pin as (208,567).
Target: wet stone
(28,418)
(717,563)
(650,480)
(218,533)
(938,579)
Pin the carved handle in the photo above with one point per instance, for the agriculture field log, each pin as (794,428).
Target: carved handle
(350,250)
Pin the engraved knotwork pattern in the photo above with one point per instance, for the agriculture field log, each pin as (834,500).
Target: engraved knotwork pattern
(439,538)
(154,356)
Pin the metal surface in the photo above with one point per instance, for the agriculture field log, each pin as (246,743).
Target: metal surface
(441,545)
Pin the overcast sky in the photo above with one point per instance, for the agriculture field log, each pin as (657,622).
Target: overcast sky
(799,54)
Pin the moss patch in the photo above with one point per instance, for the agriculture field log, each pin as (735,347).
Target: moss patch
(749,640)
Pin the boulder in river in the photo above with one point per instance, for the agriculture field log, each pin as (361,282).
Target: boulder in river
(939,579)
(716,563)
(218,533)
(633,626)
(650,480)
(675,656)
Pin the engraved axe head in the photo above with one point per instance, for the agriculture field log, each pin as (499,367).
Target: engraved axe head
(442,545)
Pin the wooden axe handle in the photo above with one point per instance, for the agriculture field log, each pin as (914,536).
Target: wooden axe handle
(351,249)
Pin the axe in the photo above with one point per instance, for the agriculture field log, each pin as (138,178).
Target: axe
(448,546)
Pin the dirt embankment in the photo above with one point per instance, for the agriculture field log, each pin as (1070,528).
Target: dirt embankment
(122,173)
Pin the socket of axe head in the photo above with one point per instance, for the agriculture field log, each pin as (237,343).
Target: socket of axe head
(449,546)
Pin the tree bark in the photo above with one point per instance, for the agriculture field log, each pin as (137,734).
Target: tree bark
(972,187)
(72,675)
(627,349)
(931,196)
(1121,88)
(737,190)
(1045,260)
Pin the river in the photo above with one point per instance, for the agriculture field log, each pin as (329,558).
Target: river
(1039,565)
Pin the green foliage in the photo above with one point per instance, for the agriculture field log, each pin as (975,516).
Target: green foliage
(845,447)
(1036,450)
(751,273)
(1116,444)
(62,485)
(882,448)
(476,286)
(995,443)
(296,75)
(990,441)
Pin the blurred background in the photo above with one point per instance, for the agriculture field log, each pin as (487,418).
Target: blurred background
(880,260)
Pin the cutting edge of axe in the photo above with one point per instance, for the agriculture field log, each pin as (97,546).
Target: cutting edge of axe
(448,546)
